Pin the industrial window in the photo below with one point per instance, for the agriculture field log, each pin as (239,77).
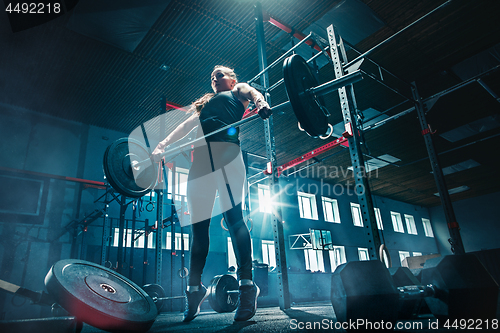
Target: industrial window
(265,204)
(403,255)
(396,222)
(231,258)
(139,240)
(268,253)
(378,217)
(307,206)
(177,241)
(356,215)
(181,176)
(427,228)
(337,257)
(330,210)
(138,236)
(410,224)
(417,254)
(363,254)
(314,260)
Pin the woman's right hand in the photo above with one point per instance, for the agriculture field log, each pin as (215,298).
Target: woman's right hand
(157,153)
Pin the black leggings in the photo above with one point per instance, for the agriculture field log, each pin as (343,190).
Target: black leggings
(217,168)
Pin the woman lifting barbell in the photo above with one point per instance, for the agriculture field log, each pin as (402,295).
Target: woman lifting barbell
(218,167)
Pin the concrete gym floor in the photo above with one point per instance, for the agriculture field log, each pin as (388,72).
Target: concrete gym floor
(271,319)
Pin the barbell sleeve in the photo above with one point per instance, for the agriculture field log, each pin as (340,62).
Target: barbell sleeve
(332,85)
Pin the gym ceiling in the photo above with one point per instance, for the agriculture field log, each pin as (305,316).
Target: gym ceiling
(110,66)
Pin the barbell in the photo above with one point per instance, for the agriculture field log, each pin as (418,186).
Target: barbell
(102,298)
(222,294)
(454,287)
(130,170)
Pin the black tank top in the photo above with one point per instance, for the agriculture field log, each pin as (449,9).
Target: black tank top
(223,109)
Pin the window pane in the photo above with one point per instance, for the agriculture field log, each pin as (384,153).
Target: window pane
(265,204)
(231,259)
(378,217)
(321,263)
(265,254)
(410,224)
(403,255)
(306,257)
(330,209)
(363,254)
(183,183)
(356,215)
(272,255)
(329,212)
(396,222)
(301,210)
(306,205)
(427,227)
(337,257)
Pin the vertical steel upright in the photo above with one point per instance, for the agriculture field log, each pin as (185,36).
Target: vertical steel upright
(121,229)
(362,188)
(183,259)
(105,227)
(457,246)
(145,262)
(274,186)
(159,202)
(172,230)
(132,241)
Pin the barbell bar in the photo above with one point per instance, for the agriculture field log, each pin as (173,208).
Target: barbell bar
(318,91)
(222,294)
(129,167)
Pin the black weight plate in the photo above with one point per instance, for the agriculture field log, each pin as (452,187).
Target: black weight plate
(119,173)
(155,291)
(298,78)
(99,296)
(219,299)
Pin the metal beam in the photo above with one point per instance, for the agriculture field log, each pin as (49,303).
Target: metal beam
(274,186)
(455,240)
(362,188)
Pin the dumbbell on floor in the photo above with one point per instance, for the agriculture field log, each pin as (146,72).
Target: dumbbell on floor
(454,287)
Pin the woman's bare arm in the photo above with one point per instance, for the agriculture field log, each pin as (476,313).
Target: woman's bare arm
(178,133)
(246,92)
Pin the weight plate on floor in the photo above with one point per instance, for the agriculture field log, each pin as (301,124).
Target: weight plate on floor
(219,298)
(100,297)
(298,78)
(119,172)
(156,292)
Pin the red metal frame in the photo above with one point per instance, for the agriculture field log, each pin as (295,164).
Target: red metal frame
(86,182)
(172,105)
(342,141)
(290,30)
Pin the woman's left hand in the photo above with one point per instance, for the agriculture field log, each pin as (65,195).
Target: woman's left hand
(265,110)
